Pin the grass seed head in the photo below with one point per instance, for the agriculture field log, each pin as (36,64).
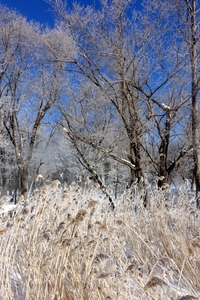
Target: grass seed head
(188,297)
(80,216)
(104,225)
(153,282)
(119,222)
(196,242)
(92,203)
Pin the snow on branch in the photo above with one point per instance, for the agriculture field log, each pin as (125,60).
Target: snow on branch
(108,152)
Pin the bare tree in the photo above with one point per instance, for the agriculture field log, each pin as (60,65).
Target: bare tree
(105,57)
(187,30)
(91,126)
(124,53)
(30,85)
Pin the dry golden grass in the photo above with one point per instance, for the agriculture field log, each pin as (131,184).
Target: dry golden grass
(66,244)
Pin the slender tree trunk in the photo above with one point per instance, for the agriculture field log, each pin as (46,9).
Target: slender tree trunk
(3,180)
(137,173)
(163,152)
(195,104)
(136,160)
(94,174)
(23,180)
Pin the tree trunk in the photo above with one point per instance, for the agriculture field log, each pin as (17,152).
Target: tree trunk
(137,173)
(136,160)
(23,181)
(163,152)
(195,105)
(3,180)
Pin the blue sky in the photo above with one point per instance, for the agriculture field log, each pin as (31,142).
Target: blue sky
(37,10)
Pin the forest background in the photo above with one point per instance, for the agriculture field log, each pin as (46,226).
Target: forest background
(110,93)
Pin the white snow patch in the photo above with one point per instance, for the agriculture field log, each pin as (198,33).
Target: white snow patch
(6,208)
(165,106)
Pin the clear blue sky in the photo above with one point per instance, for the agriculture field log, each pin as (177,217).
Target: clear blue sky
(37,10)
